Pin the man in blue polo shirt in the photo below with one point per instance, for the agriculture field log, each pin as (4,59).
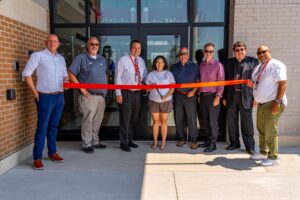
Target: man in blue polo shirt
(90,67)
(185,100)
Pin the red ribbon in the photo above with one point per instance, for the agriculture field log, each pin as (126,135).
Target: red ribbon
(127,87)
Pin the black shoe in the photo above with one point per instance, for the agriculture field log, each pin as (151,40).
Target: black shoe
(251,152)
(99,146)
(210,148)
(125,147)
(204,144)
(232,147)
(88,149)
(133,145)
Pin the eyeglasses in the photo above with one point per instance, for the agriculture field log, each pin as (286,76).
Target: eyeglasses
(94,44)
(238,50)
(261,52)
(208,51)
(183,53)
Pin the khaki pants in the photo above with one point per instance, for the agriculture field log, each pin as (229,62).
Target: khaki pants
(267,126)
(92,110)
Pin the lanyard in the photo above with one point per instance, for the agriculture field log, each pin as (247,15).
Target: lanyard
(263,69)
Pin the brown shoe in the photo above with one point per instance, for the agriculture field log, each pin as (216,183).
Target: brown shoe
(37,164)
(194,146)
(180,143)
(56,158)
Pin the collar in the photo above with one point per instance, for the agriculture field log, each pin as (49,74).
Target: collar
(213,61)
(47,51)
(90,57)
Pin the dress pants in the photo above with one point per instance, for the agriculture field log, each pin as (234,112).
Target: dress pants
(92,109)
(49,111)
(210,116)
(185,113)
(129,115)
(235,109)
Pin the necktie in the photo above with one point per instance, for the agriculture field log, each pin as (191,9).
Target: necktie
(137,72)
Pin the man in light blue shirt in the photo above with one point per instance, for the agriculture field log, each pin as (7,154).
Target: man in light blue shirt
(51,73)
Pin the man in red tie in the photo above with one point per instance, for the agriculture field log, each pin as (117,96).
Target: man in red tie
(130,70)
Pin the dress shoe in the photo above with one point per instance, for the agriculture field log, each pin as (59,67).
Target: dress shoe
(232,147)
(38,165)
(56,158)
(99,146)
(194,145)
(88,149)
(210,148)
(125,148)
(133,145)
(251,152)
(204,144)
(180,143)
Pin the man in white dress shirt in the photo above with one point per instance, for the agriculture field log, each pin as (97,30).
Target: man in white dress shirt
(130,70)
(51,74)
(270,82)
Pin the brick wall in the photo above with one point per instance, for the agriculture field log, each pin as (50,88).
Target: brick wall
(17,117)
(275,23)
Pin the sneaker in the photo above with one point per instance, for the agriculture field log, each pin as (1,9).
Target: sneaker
(88,149)
(269,162)
(99,146)
(38,165)
(258,156)
(133,145)
(56,158)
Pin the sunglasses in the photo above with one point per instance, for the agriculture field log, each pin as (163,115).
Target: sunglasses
(261,52)
(238,50)
(94,44)
(208,51)
(183,53)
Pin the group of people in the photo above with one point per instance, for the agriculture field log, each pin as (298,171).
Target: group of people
(267,92)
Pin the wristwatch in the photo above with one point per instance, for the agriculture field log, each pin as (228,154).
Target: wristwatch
(278,101)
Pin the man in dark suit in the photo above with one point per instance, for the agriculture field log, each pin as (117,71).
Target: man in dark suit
(239,98)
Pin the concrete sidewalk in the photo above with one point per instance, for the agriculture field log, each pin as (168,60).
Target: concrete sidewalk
(175,173)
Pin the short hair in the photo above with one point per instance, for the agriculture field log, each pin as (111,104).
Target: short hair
(239,44)
(155,60)
(209,45)
(135,41)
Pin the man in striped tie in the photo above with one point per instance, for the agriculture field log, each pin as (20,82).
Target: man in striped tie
(130,70)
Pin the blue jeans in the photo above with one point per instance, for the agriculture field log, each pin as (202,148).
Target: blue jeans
(50,108)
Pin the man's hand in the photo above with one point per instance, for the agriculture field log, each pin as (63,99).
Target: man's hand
(190,94)
(224,102)
(275,108)
(119,99)
(84,92)
(254,104)
(36,95)
(216,101)
(250,83)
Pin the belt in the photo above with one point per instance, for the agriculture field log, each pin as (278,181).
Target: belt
(134,91)
(238,90)
(58,92)
(97,94)
(180,92)
(207,93)
(264,103)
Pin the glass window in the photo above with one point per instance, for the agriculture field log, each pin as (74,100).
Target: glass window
(215,35)
(112,48)
(164,11)
(208,11)
(112,11)
(72,43)
(70,11)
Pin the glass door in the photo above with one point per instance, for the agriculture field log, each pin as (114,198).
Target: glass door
(160,41)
